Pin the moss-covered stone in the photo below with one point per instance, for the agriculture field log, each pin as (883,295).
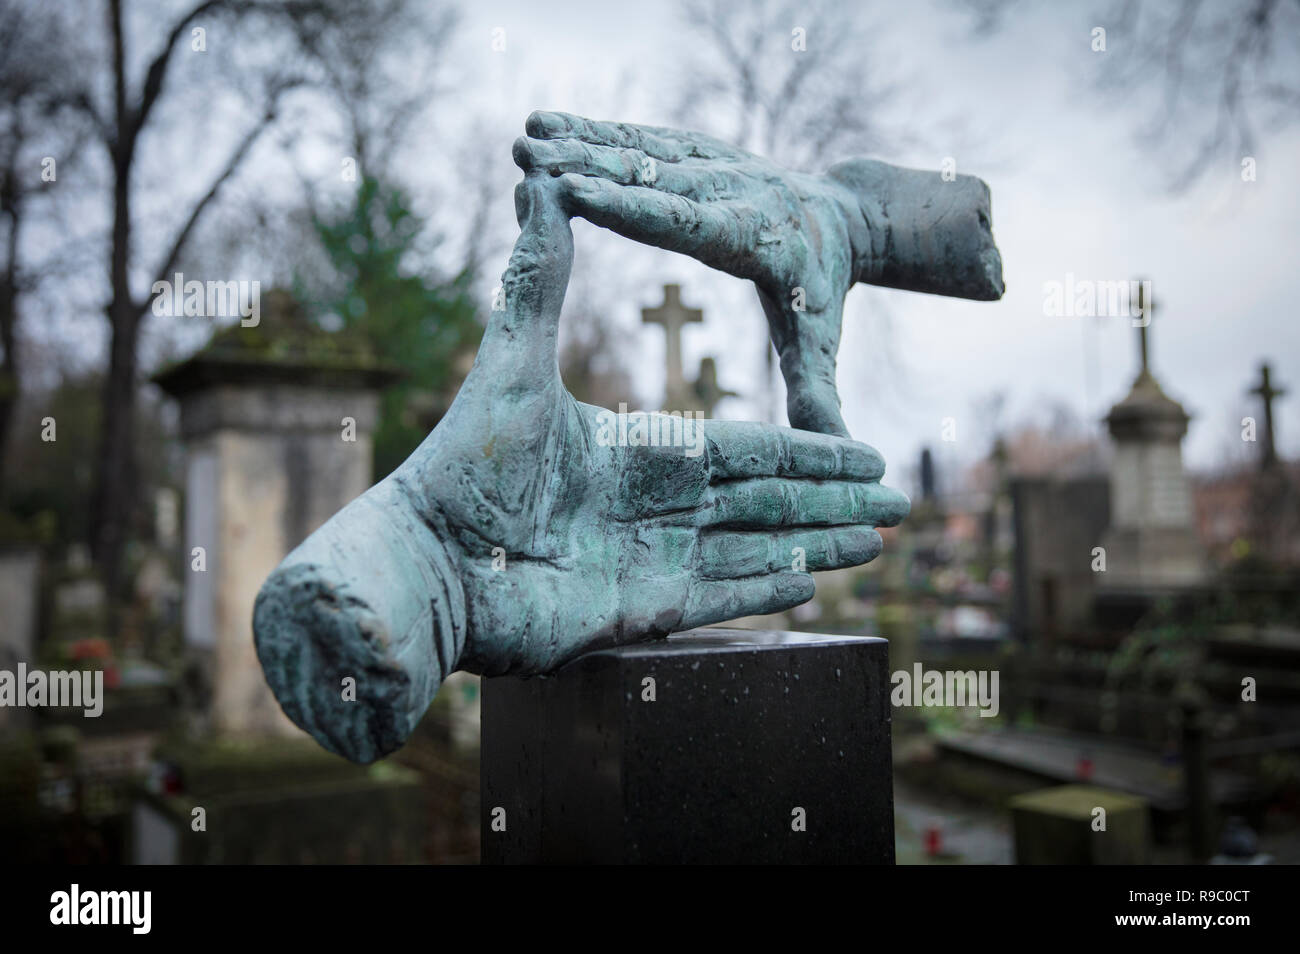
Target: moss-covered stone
(277,801)
(285,346)
(1064,826)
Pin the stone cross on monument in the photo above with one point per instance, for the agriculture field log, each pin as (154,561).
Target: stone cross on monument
(674,316)
(1151,541)
(1266,392)
(707,390)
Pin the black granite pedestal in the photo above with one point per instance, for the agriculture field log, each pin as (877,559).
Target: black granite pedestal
(714,746)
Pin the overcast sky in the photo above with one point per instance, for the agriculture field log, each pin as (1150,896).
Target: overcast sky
(1072,194)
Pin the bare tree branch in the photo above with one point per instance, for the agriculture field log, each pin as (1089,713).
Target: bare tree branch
(157,73)
(196,213)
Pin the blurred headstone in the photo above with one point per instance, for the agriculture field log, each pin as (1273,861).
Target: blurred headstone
(674,316)
(1080,825)
(927,474)
(706,389)
(79,608)
(277,421)
(166,518)
(703,394)
(1266,393)
(20,573)
(1151,541)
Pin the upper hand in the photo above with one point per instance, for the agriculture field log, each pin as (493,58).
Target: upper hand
(802,239)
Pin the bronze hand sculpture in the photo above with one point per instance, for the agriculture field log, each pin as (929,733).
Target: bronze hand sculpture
(514,538)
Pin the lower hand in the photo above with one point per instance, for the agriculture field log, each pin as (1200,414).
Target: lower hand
(516,537)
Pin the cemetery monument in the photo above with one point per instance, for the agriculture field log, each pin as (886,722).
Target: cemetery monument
(515,540)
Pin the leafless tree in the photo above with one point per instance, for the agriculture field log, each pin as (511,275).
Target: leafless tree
(1208,79)
(282,49)
(1218,74)
(794,82)
(35,136)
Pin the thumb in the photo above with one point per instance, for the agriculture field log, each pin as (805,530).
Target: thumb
(522,332)
(807,344)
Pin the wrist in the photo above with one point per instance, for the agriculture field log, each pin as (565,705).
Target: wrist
(372,596)
(920,231)
(864,222)
(858,226)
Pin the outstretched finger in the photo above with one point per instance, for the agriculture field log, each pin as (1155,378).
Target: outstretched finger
(715,601)
(711,232)
(670,145)
(773,502)
(744,449)
(726,554)
(701,181)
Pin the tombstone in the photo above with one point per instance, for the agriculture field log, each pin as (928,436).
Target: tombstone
(1058,521)
(997,531)
(1274,509)
(674,316)
(277,422)
(707,391)
(703,394)
(927,476)
(1266,393)
(20,575)
(166,518)
(1151,542)
(1080,825)
(79,608)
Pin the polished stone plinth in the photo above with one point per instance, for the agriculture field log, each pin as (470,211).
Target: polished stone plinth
(715,746)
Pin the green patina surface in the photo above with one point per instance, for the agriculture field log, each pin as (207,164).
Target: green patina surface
(514,538)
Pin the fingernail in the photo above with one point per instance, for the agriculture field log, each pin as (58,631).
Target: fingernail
(894,507)
(795,589)
(866,547)
(522,153)
(542,124)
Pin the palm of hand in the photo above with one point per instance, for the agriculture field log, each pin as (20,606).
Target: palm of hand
(607,542)
(570,544)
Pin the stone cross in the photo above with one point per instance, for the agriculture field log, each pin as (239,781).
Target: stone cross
(674,316)
(1266,393)
(707,390)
